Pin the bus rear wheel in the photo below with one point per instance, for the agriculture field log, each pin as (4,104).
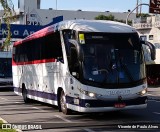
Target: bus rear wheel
(63,104)
(24,94)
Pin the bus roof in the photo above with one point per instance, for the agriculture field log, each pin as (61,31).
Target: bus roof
(82,25)
(96,26)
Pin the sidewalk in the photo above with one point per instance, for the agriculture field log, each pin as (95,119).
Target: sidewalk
(154,93)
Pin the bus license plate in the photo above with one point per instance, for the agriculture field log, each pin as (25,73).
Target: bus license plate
(119,105)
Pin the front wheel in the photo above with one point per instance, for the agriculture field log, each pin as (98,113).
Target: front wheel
(63,104)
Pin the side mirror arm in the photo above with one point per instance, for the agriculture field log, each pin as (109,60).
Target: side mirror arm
(151,47)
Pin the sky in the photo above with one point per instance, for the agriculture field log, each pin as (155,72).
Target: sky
(92,5)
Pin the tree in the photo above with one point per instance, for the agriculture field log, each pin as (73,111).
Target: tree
(110,17)
(7,18)
(103,17)
(142,15)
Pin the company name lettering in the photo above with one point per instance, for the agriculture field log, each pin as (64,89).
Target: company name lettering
(126,92)
(16,32)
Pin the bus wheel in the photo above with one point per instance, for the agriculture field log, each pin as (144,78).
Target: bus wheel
(24,94)
(63,104)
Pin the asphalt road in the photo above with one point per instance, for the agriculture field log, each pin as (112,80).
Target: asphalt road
(47,117)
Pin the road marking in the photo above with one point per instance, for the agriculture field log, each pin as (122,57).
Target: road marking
(66,120)
(3,98)
(156,113)
(58,116)
(88,130)
(18,102)
(154,101)
(37,108)
(13,102)
(157,101)
(153,95)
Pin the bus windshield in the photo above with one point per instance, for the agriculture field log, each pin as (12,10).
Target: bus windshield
(111,58)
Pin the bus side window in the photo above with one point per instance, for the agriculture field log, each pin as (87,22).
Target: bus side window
(51,48)
(15,55)
(18,57)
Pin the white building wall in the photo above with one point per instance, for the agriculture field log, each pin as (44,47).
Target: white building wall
(47,16)
(28,5)
(152,35)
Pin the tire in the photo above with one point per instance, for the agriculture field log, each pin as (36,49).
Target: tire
(63,104)
(24,94)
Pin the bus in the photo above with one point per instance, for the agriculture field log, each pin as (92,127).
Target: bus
(82,65)
(5,68)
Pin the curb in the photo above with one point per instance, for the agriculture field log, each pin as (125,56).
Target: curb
(154,93)
(154,98)
(4,121)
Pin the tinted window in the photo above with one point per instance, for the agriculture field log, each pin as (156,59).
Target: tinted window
(46,47)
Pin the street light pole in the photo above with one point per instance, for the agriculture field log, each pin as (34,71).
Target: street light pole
(56,4)
(133,11)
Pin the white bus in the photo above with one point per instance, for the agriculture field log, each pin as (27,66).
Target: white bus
(82,65)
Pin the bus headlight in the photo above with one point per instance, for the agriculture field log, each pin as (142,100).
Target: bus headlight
(143,92)
(90,94)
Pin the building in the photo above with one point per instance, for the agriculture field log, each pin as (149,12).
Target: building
(149,30)
(29,13)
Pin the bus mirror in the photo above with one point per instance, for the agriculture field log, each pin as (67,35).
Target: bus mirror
(152,49)
(79,53)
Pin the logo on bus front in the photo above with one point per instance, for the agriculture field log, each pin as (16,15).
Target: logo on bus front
(118,92)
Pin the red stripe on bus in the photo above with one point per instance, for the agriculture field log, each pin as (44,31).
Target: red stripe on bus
(38,34)
(33,62)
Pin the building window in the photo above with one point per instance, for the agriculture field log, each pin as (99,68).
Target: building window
(144,38)
(150,37)
(33,15)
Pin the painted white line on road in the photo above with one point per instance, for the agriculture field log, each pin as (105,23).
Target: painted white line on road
(37,108)
(66,120)
(7,102)
(3,98)
(156,113)
(154,101)
(88,130)
(154,95)
(18,102)
(7,107)
(58,116)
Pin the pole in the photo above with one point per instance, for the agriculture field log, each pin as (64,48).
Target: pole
(56,4)
(137,8)
(133,11)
